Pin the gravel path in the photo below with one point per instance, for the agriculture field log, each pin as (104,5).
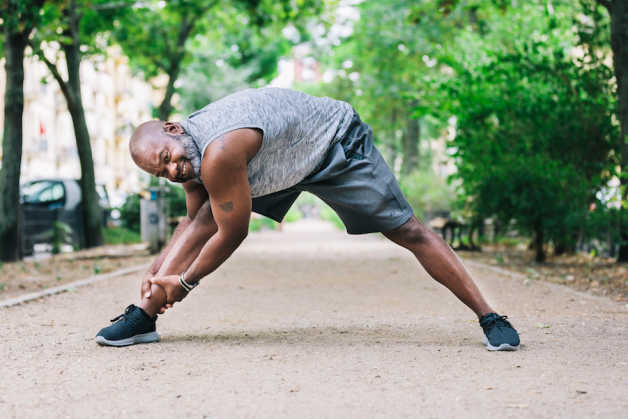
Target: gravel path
(315,324)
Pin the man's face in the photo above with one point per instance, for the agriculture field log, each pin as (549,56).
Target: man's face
(170,155)
(171,162)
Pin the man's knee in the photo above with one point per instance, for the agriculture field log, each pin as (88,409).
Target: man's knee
(411,233)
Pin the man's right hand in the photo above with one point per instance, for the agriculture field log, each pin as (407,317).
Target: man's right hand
(146,292)
(145,287)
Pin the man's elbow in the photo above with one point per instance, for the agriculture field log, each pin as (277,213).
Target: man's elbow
(236,236)
(241,234)
(201,214)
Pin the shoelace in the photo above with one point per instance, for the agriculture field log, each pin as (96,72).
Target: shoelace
(500,321)
(123,315)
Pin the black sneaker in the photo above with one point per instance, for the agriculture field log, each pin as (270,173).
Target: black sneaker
(499,335)
(131,327)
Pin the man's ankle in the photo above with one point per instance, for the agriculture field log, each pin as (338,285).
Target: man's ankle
(148,307)
(484,312)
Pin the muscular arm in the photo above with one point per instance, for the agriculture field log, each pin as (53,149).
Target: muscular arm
(223,171)
(225,177)
(197,204)
(154,267)
(187,246)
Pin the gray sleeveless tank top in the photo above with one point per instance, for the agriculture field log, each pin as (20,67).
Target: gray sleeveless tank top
(298,130)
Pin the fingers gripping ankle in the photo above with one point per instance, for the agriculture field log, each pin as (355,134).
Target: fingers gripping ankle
(157,299)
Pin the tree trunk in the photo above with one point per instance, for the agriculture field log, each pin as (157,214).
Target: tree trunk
(14,45)
(539,238)
(619,43)
(165,107)
(92,213)
(567,244)
(175,58)
(410,142)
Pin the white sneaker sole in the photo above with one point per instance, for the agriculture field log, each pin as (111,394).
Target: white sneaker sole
(141,338)
(502,347)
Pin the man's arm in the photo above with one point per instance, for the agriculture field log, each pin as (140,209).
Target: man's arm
(227,183)
(225,177)
(190,242)
(195,198)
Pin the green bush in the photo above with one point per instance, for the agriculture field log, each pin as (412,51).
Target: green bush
(175,198)
(130,213)
(602,228)
(257,224)
(120,235)
(61,234)
(534,139)
(328,214)
(426,192)
(294,214)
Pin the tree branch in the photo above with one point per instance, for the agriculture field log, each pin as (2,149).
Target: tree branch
(606,3)
(176,55)
(206,9)
(186,27)
(33,11)
(164,37)
(53,70)
(74,18)
(159,63)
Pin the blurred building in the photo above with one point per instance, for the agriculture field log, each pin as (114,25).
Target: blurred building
(115,102)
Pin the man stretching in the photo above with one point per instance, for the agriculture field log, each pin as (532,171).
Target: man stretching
(256,150)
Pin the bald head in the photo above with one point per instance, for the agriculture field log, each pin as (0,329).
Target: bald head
(147,136)
(164,149)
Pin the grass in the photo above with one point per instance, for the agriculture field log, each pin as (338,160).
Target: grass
(120,235)
(294,214)
(256,224)
(330,215)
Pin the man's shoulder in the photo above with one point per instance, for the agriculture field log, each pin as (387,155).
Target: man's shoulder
(235,144)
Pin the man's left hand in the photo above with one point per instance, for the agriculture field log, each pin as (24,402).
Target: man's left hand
(174,290)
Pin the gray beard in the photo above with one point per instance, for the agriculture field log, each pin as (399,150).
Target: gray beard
(191,153)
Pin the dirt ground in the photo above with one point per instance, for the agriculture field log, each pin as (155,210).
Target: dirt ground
(46,271)
(595,275)
(310,323)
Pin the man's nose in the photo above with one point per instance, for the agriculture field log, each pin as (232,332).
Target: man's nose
(172,169)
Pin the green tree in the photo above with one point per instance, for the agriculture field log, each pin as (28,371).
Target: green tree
(534,139)
(389,66)
(19,18)
(526,82)
(378,68)
(75,25)
(618,11)
(158,37)
(245,58)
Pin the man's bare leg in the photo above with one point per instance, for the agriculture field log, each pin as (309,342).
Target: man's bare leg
(440,262)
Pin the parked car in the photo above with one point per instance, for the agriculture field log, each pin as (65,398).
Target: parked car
(46,201)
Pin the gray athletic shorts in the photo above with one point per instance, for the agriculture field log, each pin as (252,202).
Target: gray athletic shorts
(354,180)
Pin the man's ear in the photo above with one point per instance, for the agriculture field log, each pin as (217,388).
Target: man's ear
(174,128)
